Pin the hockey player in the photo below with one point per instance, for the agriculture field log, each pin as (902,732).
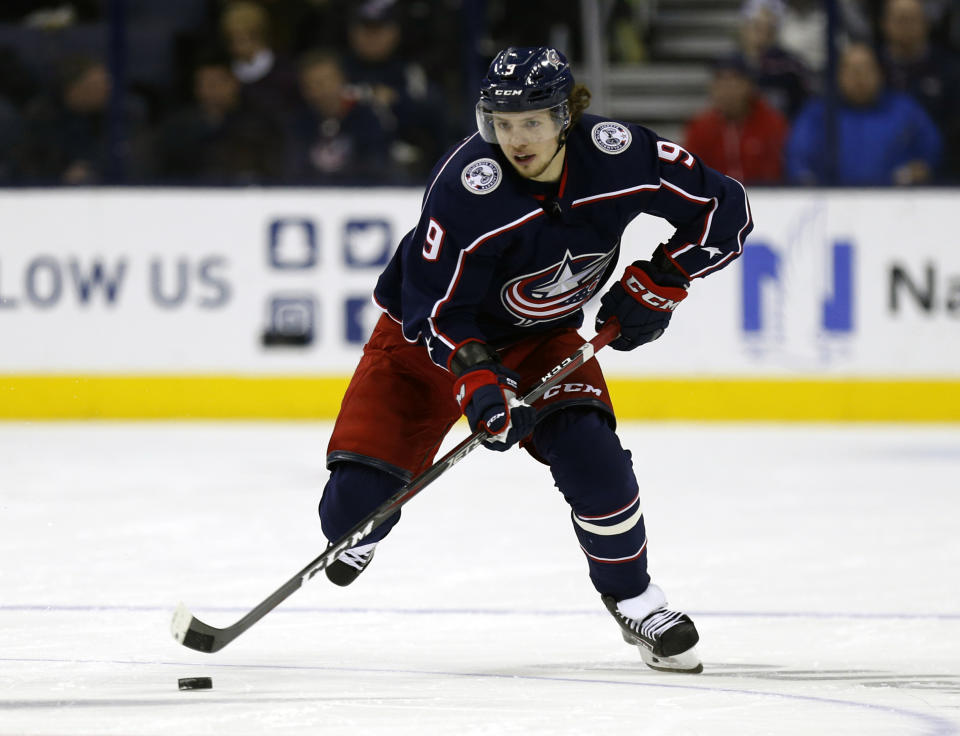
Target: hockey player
(520,226)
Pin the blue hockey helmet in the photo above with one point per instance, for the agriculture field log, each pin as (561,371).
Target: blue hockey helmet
(522,79)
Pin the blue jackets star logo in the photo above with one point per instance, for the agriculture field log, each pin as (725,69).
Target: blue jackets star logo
(557,290)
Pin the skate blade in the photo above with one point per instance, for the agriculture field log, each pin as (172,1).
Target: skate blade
(687,662)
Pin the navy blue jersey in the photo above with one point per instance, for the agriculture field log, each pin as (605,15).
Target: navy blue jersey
(494,258)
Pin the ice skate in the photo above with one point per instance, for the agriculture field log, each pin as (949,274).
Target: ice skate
(666,639)
(348,565)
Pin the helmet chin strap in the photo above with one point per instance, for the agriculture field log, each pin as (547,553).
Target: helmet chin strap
(561,142)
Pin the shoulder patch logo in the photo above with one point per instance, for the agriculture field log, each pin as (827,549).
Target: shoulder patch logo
(611,137)
(482,176)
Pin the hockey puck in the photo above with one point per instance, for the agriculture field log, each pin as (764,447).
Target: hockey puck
(195,683)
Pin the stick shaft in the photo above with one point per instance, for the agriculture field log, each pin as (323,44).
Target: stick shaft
(195,634)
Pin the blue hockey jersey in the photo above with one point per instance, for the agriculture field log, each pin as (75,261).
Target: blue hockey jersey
(496,257)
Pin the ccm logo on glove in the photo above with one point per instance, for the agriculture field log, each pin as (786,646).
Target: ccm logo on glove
(643,301)
(642,286)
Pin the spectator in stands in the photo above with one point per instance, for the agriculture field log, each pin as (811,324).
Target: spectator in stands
(883,137)
(780,76)
(336,138)
(269,79)
(409,104)
(740,134)
(926,71)
(67,136)
(222,139)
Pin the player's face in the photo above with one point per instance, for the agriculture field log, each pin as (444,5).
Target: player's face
(528,139)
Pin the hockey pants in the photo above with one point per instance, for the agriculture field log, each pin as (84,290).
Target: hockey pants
(589,466)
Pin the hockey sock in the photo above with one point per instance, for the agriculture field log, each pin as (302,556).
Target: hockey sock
(595,475)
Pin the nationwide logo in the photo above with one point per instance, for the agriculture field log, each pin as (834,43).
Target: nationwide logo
(482,176)
(611,137)
(557,290)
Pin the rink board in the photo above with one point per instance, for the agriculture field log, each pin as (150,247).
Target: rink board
(256,303)
(283,397)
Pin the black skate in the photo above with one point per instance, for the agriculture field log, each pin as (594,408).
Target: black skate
(666,639)
(348,565)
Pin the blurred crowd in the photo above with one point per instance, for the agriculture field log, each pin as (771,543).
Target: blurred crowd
(890,117)
(373,91)
(228,91)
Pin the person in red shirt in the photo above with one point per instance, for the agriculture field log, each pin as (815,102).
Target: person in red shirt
(740,133)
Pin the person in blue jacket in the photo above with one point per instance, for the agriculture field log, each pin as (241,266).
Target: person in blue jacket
(883,137)
(519,228)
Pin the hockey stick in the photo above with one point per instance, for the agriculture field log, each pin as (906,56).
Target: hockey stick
(195,634)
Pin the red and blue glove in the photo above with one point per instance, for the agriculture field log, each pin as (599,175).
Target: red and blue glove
(487,394)
(643,302)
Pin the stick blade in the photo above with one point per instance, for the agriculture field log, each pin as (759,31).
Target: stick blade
(192,632)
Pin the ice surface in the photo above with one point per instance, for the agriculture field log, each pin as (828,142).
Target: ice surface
(820,563)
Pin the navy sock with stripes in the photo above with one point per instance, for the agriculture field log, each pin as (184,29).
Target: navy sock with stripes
(595,475)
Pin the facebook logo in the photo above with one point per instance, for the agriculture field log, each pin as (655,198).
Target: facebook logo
(360,317)
(367,243)
(292,244)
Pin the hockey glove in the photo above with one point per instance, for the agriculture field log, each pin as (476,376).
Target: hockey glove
(487,394)
(643,301)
